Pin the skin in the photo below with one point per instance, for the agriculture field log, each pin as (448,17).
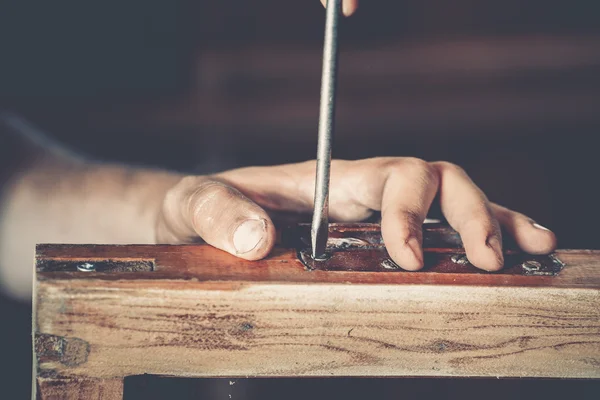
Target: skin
(403,189)
(48,195)
(56,197)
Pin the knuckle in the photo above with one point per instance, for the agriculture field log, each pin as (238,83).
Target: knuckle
(411,165)
(448,167)
(207,205)
(430,173)
(209,196)
(213,190)
(421,170)
(414,163)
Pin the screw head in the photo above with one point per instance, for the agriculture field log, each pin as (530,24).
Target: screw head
(531,266)
(86,267)
(389,264)
(324,257)
(459,259)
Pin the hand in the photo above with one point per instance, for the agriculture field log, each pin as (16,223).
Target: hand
(226,210)
(348,6)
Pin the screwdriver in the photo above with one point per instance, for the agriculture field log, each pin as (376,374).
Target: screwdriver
(320,222)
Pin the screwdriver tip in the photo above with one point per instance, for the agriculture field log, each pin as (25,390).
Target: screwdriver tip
(319,236)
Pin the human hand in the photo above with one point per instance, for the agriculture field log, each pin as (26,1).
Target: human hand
(228,210)
(348,6)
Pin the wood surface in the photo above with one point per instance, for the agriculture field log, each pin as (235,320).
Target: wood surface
(205,263)
(80,389)
(199,312)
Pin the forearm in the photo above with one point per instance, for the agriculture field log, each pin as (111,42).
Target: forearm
(54,199)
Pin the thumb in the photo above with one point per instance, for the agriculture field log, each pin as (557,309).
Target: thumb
(219,214)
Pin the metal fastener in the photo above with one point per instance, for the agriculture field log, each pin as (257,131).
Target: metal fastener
(86,267)
(460,259)
(324,257)
(389,264)
(531,266)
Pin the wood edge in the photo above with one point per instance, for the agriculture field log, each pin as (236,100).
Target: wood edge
(285,267)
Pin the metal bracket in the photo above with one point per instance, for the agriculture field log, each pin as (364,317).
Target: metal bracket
(89,265)
(359,247)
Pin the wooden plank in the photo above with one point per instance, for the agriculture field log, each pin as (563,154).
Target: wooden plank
(79,389)
(205,263)
(202,313)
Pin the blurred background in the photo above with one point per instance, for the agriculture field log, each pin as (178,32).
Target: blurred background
(509,90)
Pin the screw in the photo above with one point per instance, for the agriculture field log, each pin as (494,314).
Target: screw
(531,266)
(460,259)
(389,264)
(324,257)
(86,267)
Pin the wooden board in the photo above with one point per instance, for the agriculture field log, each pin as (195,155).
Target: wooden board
(80,389)
(195,311)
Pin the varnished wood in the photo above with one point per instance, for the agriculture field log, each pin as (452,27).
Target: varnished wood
(200,312)
(205,263)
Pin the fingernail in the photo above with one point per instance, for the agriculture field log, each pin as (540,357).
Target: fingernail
(346,10)
(494,243)
(414,245)
(536,225)
(248,235)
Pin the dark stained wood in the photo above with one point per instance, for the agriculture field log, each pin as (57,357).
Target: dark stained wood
(359,247)
(205,263)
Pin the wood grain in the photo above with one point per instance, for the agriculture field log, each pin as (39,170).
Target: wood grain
(80,389)
(205,263)
(202,314)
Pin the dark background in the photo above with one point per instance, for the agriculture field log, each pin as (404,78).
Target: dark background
(509,90)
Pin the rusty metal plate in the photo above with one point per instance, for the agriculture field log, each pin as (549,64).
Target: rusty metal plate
(91,265)
(360,247)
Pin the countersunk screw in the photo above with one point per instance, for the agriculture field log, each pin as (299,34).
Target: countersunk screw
(531,266)
(460,259)
(86,267)
(389,264)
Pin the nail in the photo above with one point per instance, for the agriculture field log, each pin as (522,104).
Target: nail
(495,245)
(248,235)
(536,225)
(346,8)
(414,245)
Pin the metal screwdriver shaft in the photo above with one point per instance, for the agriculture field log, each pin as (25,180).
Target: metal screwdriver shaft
(320,223)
